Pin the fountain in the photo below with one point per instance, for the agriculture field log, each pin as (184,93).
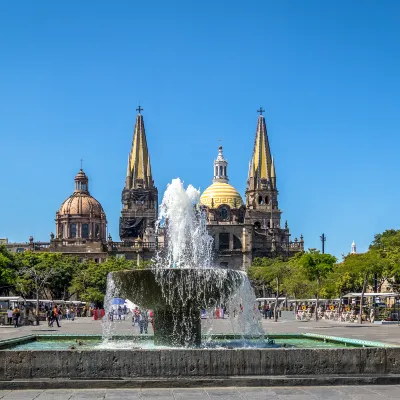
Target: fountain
(183,280)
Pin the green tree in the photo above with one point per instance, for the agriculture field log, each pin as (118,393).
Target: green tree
(90,283)
(272,272)
(7,270)
(316,267)
(387,244)
(363,267)
(34,273)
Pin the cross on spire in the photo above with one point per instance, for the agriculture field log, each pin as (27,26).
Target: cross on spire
(139,109)
(261,111)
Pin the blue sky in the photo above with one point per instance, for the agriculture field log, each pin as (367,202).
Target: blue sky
(72,74)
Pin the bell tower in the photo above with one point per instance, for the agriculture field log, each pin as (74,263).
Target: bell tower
(261,191)
(139,196)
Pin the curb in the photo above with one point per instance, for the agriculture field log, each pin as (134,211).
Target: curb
(233,381)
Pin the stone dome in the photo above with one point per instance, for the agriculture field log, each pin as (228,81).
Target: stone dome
(221,193)
(82,204)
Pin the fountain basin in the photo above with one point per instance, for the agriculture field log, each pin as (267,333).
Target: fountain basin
(177,296)
(57,367)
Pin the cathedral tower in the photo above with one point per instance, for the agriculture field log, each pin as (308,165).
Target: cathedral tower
(262,210)
(139,196)
(261,191)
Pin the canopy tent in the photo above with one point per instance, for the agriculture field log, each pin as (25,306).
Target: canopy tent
(349,295)
(118,301)
(271,299)
(15,299)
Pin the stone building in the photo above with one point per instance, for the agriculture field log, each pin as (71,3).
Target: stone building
(242,230)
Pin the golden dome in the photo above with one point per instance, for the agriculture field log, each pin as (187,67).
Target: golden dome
(81,203)
(221,193)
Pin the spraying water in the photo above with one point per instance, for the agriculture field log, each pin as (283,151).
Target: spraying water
(188,244)
(184,280)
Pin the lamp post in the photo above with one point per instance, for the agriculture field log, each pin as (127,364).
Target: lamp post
(323,240)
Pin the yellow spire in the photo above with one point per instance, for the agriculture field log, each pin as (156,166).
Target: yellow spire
(261,160)
(139,162)
(273,175)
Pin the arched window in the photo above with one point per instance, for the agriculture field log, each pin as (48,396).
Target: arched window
(260,200)
(220,170)
(257,225)
(97,231)
(223,213)
(85,231)
(266,200)
(73,230)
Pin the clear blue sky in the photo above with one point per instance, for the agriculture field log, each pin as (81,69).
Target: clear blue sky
(327,72)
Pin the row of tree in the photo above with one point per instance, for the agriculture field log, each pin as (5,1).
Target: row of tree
(315,275)
(42,275)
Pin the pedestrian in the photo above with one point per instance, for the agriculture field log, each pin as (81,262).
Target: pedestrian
(72,313)
(54,316)
(143,321)
(16,315)
(67,313)
(10,316)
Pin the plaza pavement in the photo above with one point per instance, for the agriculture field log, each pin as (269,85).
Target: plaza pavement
(366,331)
(383,333)
(274,393)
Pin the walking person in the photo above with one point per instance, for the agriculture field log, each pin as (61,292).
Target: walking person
(16,315)
(67,313)
(143,321)
(54,317)
(72,313)
(10,316)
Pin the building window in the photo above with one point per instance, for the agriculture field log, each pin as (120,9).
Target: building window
(237,244)
(97,231)
(73,230)
(85,231)
(224,241)
(257,225)
(260,200)
(223,213)
(266,200)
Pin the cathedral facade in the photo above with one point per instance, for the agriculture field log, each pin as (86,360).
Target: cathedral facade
(242,228)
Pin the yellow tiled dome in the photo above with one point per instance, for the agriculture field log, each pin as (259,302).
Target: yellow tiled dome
(221,193)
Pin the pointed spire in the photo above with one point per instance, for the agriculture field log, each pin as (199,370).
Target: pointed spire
(128,173)
(273,175)
(353,248)
(261,160)
(139,169)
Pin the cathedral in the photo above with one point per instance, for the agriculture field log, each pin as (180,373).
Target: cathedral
(242,229)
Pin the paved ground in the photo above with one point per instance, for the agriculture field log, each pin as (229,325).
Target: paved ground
(366,331)
(384,333)
(274,393)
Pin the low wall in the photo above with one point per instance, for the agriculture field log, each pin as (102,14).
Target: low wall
(111,364)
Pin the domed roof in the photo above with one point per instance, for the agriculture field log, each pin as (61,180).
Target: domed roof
(81,203)
(221,193)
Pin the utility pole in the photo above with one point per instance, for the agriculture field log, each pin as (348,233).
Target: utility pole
(323,240)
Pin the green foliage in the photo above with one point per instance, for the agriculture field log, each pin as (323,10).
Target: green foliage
(316,266)
(90,283)
(7,270)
